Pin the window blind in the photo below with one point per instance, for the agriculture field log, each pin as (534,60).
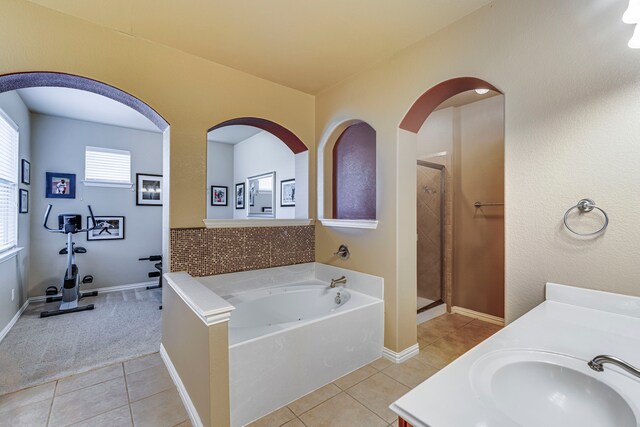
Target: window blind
(107,165)
(8,183)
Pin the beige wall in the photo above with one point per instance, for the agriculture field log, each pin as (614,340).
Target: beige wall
(191,93)
(571,89)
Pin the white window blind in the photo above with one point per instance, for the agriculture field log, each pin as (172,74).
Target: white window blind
(8,183)
(106,165)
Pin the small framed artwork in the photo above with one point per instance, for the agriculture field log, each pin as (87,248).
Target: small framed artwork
(288,192)
(107,228)
(25,172)
(240,196)
(24,201)
(61,185)
(148,189)
(219,195)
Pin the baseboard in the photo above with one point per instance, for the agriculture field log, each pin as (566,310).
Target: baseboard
(13,321)
(186,400)
(106,289)
(477,315)
(404,355)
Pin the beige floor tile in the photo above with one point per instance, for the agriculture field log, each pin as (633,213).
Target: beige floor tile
(355,377)
(34,414)
(185,424)
(294,423)
(164,409)
(445,350)
(313,399)
(86,379)
(28,395)
(377,393)
(410,373)
(395,423)
(434,329)
(478,329)
(148,382)
(88,402)
(380,364)
(119,417)
(341,411)
(274,419)
(144,362)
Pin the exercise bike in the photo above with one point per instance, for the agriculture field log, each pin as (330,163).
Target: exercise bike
(70,294)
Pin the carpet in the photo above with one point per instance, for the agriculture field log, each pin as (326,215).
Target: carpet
(123,325)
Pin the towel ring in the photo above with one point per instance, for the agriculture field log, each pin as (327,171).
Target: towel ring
(584,206)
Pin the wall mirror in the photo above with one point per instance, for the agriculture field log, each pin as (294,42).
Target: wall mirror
(256,168)
(261,195)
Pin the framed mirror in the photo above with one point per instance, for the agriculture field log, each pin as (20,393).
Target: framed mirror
(261,195)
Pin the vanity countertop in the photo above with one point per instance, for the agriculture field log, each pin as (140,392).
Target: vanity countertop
(572,321)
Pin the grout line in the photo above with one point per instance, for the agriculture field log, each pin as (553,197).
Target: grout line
(126,386)
(366,407)
(96,415)
(87,386)
(51,405)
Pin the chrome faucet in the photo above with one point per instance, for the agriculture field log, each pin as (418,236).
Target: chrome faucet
(339,281)
(597,362)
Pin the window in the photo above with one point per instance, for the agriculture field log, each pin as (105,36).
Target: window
(107,166)
(8,183)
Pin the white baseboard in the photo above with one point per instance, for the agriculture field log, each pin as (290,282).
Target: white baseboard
(477,315)
(13,321)
(404,355)
(432,313)
(105,290)
(186,400)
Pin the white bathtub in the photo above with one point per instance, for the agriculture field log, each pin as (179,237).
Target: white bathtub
(286,340)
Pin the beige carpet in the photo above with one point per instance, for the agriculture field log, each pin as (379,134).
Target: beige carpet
(123,325)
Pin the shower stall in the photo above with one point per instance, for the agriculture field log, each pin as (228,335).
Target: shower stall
(430,234)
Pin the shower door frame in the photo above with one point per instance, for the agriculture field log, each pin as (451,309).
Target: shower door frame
(443,202)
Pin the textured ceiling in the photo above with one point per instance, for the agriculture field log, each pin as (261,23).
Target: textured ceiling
(304,44)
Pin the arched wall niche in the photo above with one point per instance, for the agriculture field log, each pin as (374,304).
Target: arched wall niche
(299,164)
(326,176)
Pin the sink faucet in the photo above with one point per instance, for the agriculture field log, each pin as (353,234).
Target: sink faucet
(339,281)
(597,362)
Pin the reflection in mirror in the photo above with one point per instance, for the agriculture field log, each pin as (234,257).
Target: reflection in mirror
(262,194)
(250,164)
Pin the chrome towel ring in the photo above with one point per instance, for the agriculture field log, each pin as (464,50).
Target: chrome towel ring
(584,206)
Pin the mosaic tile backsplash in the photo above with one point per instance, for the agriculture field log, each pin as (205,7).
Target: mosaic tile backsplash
(209,251)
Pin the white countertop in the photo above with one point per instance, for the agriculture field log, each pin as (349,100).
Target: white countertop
(572,321)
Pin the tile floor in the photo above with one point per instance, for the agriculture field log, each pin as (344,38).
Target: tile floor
(137,392)
(140,391)
(362,397)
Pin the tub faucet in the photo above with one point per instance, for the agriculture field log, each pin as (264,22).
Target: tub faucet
(339,281)
(597,362)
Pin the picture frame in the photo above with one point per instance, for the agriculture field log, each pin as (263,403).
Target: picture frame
(108,228)
(25,172)
(60,185)
(287,193)
(219,195)
(240,195)
(24,201)
(149,190)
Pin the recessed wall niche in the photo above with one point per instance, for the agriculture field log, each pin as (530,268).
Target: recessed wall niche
(347,176)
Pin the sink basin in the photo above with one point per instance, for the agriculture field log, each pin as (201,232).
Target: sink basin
(534,388)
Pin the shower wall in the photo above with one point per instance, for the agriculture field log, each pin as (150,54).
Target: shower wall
(430,239)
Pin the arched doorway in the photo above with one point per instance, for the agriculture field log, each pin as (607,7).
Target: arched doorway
(457,217)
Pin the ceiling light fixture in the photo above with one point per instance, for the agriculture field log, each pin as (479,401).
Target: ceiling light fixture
(634,43)
(482,91)
(632,14)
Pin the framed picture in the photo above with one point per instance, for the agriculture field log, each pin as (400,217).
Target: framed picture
(61,185)
(148,189)
(240,196)
(288,192)
(24,201)
(219,195)
(107,228)
(26,172)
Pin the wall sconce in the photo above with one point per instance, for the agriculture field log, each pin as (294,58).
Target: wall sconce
(632,16)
